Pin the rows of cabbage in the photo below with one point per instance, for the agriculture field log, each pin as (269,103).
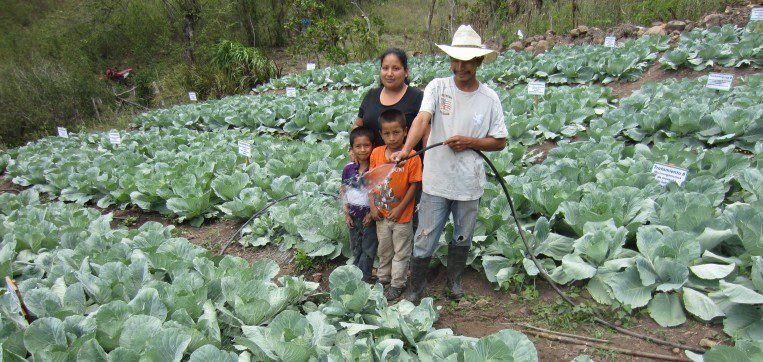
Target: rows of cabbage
(578,64)
(596,215)
(726,46)
(689,111)
(98,293)
(186,174)
(560,65)
(312,114)
(562,112)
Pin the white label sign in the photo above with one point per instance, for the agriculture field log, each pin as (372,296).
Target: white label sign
(192,96)
(310,66)
(520,34)
(115,138)
(536,88)
(291,92)
(610,41)
(666,173)
(756,14)
(720,81)
(62,132)
(244,148)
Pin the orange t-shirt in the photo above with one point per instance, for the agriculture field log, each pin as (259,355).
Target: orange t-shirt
(393,189)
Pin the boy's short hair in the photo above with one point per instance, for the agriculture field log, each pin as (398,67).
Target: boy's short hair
(361,132)
(392,115)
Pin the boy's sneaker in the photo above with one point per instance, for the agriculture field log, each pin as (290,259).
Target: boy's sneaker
(393,293)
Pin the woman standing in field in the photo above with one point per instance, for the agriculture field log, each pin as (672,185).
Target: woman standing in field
(394,92)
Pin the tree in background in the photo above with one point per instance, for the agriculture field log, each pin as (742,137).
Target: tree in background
(187,11)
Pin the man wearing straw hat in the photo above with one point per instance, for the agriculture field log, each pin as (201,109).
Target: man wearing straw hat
(464,114)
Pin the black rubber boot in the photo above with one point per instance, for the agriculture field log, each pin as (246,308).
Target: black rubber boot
(456,264)
(419,273)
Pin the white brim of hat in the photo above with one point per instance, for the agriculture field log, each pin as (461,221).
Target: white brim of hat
(469,53)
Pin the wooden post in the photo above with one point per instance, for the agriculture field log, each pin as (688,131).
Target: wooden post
(95,107)
(15,290)
(536,100)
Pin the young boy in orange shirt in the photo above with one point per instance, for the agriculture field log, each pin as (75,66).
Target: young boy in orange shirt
(392,205)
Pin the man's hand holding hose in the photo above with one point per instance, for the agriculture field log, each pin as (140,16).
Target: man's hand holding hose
(418,128)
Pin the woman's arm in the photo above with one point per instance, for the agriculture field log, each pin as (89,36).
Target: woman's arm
(358,123)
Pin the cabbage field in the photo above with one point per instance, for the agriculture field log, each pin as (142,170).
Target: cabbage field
(593,210)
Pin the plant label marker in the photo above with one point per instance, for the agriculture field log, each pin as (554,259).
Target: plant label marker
(610,41)
(16,299)
(115,138)
(666,174)
(720,81)
(520,34)
(756,14)
(192,96)
(310,66)
(245,149)
(62,132)
(291,92)
(536,88)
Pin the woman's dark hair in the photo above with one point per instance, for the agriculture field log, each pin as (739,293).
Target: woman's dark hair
(401,56)
(361,132)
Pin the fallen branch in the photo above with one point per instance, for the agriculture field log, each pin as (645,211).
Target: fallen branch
(10,190)
(589,339)
(133,103)
(629,352)
(125,92)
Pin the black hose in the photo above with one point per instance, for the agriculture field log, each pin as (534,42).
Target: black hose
(597,317)
(540,268)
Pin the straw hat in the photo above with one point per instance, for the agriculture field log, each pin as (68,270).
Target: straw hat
(467,45)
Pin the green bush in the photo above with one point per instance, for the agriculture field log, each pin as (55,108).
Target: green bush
(245,66)
(38,96)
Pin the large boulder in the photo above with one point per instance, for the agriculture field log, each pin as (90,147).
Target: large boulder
(675,25)
(517,46)
(541,46)
(656,30)
(712,20)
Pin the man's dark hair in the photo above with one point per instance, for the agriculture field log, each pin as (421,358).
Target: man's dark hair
(392,115)
(401,56)
(361,132)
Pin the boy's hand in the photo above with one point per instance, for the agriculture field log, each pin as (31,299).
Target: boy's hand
(375,213)
(352,157)
(367,220)
(395,214)
(459,143)
(348,220)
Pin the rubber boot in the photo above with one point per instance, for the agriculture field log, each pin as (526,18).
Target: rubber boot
(456,264)
(419,273)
